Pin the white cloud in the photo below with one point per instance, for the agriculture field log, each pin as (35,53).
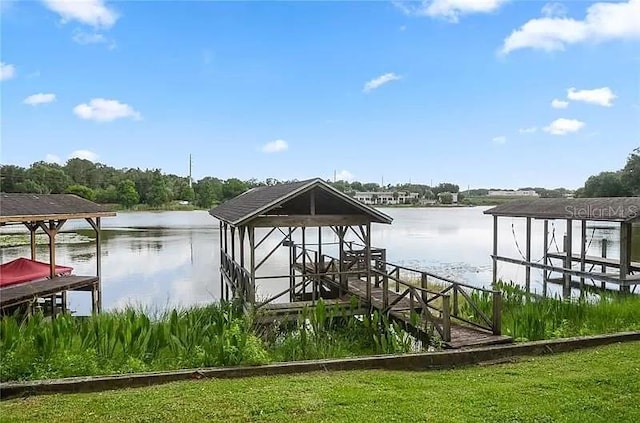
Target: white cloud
(450,10)
(603,22)
(344,175)
(52,158)
(379,81)
(40,98)
(529,130)
(7,71)
(554,10)
(276,146)
(600,96)
(564,126)
(84,154)
(105,110)
(89,12)
(559,104)
(499,139)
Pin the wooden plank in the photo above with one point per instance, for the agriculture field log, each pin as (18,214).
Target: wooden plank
(309,220)
(608,277)
(634,266)
(44,217)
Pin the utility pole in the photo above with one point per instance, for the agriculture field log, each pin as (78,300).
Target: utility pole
(190,178)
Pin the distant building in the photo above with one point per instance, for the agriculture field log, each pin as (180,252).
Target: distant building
(386,198)
(513,193)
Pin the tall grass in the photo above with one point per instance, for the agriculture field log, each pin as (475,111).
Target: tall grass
(217,335)
(533,318)
(126,341)
(332,332)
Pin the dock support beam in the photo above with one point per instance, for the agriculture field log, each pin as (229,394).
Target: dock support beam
(583,252)
(625,255)
(252,266)
(528,257)
(545,259)
(495,249)
(568,261)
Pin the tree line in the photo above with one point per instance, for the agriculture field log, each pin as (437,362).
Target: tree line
(620,183)
(130,187)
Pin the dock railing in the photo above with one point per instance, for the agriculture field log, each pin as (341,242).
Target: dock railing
(436,299)
(456,292)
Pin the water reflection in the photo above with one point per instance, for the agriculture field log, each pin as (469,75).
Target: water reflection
(166,259)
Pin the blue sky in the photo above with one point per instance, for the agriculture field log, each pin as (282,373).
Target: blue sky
(444,90)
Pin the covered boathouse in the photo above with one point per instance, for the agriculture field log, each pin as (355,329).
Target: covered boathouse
(28,282)
(575,266)
(327,237)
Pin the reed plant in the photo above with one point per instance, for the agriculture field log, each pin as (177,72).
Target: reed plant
(126,341)
(530,317)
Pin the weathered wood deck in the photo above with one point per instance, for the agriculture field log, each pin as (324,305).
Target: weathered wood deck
(25,292)
(462,335)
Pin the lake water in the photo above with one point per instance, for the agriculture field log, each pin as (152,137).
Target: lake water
(161,259)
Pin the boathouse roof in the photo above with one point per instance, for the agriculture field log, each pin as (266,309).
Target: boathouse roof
(611,209)
(19,208)
(305,203)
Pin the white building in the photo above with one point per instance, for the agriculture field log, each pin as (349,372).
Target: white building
(386,198)
(512,193)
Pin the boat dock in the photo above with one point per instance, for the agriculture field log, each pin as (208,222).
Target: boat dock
(256,224)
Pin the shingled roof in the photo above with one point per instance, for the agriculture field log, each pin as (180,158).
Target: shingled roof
(16,208)
(612,209)
(270,199)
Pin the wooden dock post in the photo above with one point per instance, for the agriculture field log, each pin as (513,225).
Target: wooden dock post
(497,312)
(252,267)
(528,257)
(583,253)
(603,268)
(223,280)
(568,261)
(233,258)
(545,258)
(625,255)
(446,319)
(495,249)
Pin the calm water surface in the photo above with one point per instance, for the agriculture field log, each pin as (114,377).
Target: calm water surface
(162,259)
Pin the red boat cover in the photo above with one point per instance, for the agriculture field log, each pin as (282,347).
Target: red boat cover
(24,270)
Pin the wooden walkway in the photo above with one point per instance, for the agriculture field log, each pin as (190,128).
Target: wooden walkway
(283,312)
(462,335)
(25,292)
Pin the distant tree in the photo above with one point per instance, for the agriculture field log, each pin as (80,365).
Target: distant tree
(232,188)
(31,186)
(82,191)
(10,178)
(208,191)
(445,198)
(605,184)
(446,187)
(631,173)
(371,186)
(127,194)
(81,171)
(159,193)
(110,194)
(50,176)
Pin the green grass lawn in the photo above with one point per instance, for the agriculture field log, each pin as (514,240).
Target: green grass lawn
(601,384)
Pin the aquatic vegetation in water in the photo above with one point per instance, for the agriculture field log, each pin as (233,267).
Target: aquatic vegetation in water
(528,317)
(217,335)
